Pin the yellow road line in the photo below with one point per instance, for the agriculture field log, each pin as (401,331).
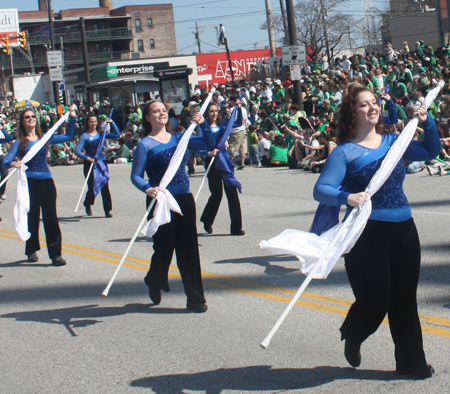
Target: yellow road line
(105,256)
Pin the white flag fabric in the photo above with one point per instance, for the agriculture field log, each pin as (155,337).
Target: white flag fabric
(22,206)
(165,201)
(308,247)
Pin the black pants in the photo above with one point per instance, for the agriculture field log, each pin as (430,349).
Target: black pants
(383,268)
(216,183)
(179,235)
(43,196)
(90,198)
(3,174)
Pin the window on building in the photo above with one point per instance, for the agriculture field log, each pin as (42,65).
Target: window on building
(150,22)
(98,47)
(104,26)
(95,25)
(106,48)
(140,45)
(152,43)
(138,25)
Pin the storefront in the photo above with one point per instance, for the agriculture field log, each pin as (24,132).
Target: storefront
(123,85)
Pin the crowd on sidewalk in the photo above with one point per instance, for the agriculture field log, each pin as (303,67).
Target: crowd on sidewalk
(275,131)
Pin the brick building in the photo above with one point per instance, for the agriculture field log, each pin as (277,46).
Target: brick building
(129,32)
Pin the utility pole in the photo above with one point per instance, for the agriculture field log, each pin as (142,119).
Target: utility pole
(52,42)
(197,36)
(270,29)
(87,73)
(229,59)
(325,31)
(293,40)
(285,25)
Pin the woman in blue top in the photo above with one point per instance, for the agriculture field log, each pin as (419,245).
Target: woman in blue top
(215,179)
(383,266)
(41,187)
(152,156)
(89,142)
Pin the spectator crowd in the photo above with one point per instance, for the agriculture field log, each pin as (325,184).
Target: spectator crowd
(275,131)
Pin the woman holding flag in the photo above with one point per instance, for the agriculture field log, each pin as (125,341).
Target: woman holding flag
(383,266)
(89,141)
(153,156)
(41,188)
(218,178)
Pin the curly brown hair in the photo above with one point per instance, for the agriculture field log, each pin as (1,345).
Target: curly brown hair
(347,119)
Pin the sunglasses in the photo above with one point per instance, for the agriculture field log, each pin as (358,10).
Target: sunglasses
(30,117)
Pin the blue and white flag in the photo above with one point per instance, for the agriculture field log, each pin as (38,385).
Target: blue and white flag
(100,171)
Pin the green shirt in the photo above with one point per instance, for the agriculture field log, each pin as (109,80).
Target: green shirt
(278,153)
(252,138)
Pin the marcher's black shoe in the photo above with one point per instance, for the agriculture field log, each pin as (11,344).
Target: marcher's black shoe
(166,287)
(239,232)
(154,294)
(33,258)
(58,261)
(352,352)
(208,229)
(88,210)
(108,215)
(424,372)
(199,308)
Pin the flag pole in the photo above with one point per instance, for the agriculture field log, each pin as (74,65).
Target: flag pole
(308,279)
(84,187)
(125,255)
(7,177)
(204,178)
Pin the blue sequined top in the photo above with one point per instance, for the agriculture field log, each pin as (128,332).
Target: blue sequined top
(90,144)
(153,157)
(37,166)
(352,166)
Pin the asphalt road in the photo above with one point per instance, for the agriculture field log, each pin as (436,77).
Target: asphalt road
(59,335)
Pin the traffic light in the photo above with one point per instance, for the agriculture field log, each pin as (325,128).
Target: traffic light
(23,40)
(6,47)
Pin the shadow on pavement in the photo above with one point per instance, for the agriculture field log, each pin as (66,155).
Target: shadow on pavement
(259,378)
(24,263)
(265,261)
(138,239)
(86,315)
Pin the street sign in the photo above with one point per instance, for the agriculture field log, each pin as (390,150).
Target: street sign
(56,74)
(55,59)
(296,74)
(62,86)
(293,55)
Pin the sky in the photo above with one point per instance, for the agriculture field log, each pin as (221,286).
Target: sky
(242,19)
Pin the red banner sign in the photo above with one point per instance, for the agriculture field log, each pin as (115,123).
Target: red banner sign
(214,68)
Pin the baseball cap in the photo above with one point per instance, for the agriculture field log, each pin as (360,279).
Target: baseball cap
(193,104)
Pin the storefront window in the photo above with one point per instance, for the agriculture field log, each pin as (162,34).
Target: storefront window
(174,92)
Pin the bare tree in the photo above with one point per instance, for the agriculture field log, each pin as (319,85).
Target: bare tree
(319,26)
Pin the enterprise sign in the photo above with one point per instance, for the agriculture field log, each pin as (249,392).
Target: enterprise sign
(114,71)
